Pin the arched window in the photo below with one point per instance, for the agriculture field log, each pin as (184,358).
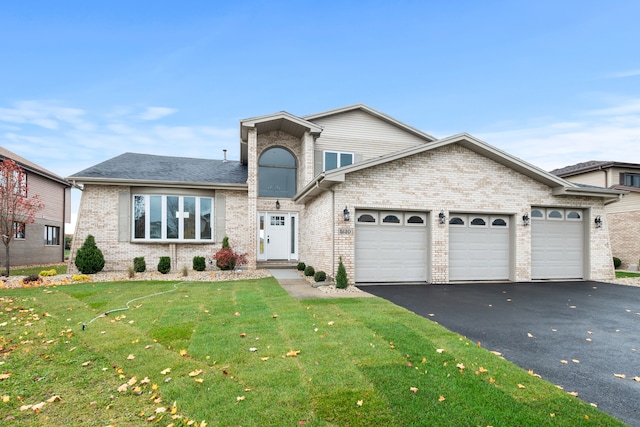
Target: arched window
(277,170)
(366,218)
(391,219)
(456,221)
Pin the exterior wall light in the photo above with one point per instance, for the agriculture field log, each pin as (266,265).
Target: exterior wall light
(525,219)
(442,217)
(598,222)
(277,204)
(346,214)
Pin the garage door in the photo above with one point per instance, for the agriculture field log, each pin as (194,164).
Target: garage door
(478,247)
(557,243)
(391,246)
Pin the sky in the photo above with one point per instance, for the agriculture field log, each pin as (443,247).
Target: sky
(552,82)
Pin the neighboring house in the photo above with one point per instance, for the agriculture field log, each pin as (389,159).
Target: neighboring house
(623,217)
(43,241)
(394,203)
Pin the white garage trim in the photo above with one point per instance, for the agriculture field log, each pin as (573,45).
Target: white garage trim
(391,246)
(479,247)
(557,243)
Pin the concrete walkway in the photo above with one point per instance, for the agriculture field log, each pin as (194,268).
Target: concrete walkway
(299,288)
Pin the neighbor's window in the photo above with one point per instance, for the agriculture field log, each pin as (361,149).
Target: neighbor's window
(335,159)
(187,218)
(51,235)
(18,230)
(277,170)
(632,179)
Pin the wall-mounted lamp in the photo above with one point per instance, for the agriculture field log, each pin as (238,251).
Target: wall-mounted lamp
(598,222)
(346,214)
(525,219)
(277,204)
(442,218)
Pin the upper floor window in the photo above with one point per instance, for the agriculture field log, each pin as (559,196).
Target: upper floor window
(335,159)
(631,179)
(277,170)
(157,217)
(51,235)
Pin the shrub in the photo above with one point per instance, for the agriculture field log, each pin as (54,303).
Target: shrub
(184,271)
(320,276)
(139,264)
(228,259)
(301,266)
(164,265)
(131,271)
(51,272)
(341,276)
(89,258)
(616,262)
(31,278)
(81,278)
(309,271)
(199,263)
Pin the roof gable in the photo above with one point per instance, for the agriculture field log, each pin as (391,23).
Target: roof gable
(32,167)
(592,165)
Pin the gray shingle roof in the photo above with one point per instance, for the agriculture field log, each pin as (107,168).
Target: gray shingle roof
(149,167)
(592,164)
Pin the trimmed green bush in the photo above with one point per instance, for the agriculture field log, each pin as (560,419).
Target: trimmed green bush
(139,264)
(341,276)
(301,266)
(309,271)
(225,243)
(199,263)
(164,265)
(320,276)
(617,262)
(89,258)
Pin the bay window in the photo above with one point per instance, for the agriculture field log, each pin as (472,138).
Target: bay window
(173,218)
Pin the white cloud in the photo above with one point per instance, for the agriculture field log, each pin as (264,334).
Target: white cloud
(623,74)
(155,113)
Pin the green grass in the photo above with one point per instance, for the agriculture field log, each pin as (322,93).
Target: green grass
(35,269)
(357,364)
(621,274)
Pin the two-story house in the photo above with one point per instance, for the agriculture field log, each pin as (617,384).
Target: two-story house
(394,203)
(623,216)
(41,242)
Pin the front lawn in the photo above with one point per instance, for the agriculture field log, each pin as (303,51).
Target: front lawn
(621,274)
(246,353)
(36,269)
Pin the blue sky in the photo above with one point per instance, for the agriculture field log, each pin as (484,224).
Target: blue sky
(552,82)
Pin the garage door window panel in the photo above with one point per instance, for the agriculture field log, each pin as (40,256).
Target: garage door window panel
(392,219)
(574,216)
(415,220)
(457,221)
(537,214)
(478,222)
(368,218)
(555,215)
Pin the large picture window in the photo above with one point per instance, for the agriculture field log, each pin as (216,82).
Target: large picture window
(181,218)
(277,171)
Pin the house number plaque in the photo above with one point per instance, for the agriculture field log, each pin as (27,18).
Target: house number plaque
(345,231)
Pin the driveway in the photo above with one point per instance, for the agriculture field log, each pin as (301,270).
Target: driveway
(579,335)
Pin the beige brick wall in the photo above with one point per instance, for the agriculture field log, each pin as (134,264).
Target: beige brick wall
(624,229)
(455,179)
(316,234)
(99,217)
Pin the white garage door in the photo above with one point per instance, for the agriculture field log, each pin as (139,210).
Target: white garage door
(391,246)
(557,243)
(478,247)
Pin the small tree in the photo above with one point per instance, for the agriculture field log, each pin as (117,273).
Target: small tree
(341,276)
(16,207)
(228,259)
(89,258)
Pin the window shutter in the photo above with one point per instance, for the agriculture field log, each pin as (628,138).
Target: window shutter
(220,209)
(124,222)
(357,158)
(318,159)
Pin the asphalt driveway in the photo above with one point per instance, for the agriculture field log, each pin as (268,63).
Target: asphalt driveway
(579,335)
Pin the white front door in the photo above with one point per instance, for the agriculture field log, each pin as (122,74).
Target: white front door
(277,236)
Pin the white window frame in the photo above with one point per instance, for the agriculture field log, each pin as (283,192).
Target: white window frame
(550,211)
(570,211)
(338,154)
(180,214)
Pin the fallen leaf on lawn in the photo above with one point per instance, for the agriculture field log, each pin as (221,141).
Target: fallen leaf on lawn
(243,335)
(5,398)
(7,376)
(441,398)
(623,376)
(183,352)
(533,373)
(132,381)
(253,349)
(359,403)
(589,339)
(161,410)
(264,359)
(137,391)
(53,399)
(595,405)
(497,353)
(275,316)
(87,363)
(147,347)
(130,357)
(521,386)
(293,353)
(25,407)
(123,388)
(573,393)
(165,371)
(414,389)
(482,370)
(460,366)
(636,379)
(239,398)
(492,380)
(575,360)
(530,335)
(237,313)
(330,323)
(145,380)
(195,373)
(430,314)
(199,380)
(439,350)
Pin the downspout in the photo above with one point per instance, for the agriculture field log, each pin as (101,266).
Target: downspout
(333,233)
(64,223)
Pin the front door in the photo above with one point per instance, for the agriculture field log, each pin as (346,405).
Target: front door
(277,236)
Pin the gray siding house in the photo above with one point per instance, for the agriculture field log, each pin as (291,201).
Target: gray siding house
(394,203)
(43,241)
